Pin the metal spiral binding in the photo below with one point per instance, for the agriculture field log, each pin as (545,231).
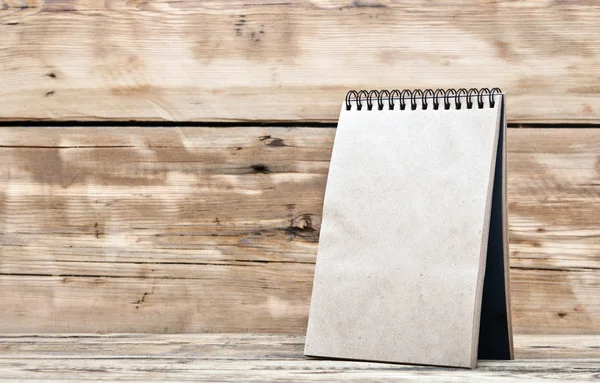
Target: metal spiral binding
(411,96)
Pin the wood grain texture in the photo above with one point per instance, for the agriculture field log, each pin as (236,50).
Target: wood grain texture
(290,60)
(262,346)
(267,358)
(170,230)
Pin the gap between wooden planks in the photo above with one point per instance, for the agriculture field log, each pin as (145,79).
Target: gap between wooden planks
(260,60)
(164,230)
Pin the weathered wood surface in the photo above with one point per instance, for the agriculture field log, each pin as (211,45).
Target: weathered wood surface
(164,230)
(268,358)
(241,346)
(290,60)
(250,357)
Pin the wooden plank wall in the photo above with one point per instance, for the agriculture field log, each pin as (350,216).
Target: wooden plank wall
(198,229)
(292,60)
(215,229)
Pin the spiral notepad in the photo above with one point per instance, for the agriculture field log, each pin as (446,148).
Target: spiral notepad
(412,265)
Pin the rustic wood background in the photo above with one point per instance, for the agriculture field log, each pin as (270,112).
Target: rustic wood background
(214,227)
(292,60)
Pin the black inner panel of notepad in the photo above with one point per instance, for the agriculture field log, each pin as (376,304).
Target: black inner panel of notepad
(494,336)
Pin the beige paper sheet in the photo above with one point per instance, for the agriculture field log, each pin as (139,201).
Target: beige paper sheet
(403,239)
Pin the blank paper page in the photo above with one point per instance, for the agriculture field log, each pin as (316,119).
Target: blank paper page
(405,224)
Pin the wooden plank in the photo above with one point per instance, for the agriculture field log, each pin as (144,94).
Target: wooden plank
(266,358)
(217,346)
(144,370)
(216,229)
(556,346)
(290,60)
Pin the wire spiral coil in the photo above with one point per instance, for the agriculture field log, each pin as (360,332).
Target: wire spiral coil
(445,96)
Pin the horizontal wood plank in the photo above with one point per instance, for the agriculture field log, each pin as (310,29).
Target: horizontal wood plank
(224,60)
(267,358)
(216,229)
(261,346)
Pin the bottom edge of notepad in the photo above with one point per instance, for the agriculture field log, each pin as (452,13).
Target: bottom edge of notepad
(367,360)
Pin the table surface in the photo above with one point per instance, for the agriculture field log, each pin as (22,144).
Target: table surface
(267,358)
